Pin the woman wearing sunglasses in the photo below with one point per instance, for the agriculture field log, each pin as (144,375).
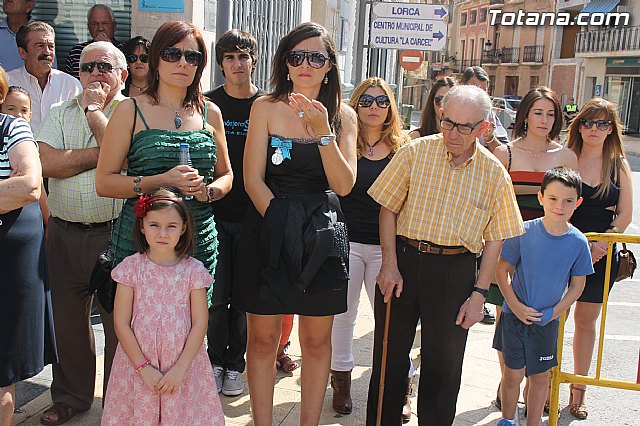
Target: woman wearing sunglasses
(595,135)
(532,152)
(430,117)
(136,51)
(379,137)
(300,153)
(145,134)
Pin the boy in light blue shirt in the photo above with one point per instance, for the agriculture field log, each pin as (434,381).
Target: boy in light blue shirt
(533,272)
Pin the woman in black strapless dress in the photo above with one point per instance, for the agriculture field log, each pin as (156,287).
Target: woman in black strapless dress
(293,252)
(595,135)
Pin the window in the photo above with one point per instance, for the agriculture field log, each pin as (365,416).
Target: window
(473,15)
(483,14)
(463,19)
(534,81)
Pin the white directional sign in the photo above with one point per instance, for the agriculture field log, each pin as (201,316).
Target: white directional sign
(408,26)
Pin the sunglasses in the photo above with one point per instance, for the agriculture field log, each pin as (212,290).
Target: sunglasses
(173,54)
(132,58)
(316,60)
(600,124)
(438,100)
(463,129)
(103,67)
(366,101)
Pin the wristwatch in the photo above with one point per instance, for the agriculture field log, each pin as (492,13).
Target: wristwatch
(483,291)
(615,229)
(91,107)
(136,185)
(326,140)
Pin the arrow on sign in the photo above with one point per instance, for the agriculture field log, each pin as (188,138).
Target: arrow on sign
(438,35)
(440,12)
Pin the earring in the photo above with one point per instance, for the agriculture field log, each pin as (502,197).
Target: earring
(326,79)
(288,77)
(525,126)
(157,75)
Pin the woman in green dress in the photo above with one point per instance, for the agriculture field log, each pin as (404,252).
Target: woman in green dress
(144,137)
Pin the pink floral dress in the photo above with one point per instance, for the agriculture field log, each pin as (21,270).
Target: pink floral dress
(161,321)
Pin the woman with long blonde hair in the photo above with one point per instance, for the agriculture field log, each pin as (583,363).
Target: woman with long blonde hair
(595,135)
(379,137)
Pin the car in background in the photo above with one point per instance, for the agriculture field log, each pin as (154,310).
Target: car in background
(506,109)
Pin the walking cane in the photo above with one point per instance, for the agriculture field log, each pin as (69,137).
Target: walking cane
(383,369)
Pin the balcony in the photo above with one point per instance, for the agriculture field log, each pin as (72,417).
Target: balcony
(608,40)
(491,57)
(466,63)
(533,54)
(510,55)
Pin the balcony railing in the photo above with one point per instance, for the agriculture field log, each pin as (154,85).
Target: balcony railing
(510,55)
(491,56)
(533,54)
(611,39)
(466,63)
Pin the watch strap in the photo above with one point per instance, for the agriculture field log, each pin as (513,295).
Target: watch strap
(483,291)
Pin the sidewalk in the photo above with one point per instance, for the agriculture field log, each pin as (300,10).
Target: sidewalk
(479,384)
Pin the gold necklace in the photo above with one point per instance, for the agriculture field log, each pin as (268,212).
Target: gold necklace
(535,154)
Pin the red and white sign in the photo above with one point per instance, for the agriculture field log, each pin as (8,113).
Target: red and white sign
(411,60)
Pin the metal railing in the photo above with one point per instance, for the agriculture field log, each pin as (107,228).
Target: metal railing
(557,375)
(607,40)
(491,56)
(510,55)
(533,54)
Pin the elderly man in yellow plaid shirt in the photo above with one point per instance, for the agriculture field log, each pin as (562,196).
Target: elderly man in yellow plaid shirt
(79,228)
(444,199)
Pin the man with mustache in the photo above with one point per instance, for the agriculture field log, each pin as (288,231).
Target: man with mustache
(102,27)
(18,14)
(46,86)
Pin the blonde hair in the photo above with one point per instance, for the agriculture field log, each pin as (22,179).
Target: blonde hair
(612,150)
(392,133)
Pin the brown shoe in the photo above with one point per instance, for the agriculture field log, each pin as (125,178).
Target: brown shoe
(406,408)
(341,384)
(577,408)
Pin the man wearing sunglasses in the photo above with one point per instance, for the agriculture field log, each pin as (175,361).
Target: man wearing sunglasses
(80,225)
(236,54)
(444,199)
(101,23)
(46,85)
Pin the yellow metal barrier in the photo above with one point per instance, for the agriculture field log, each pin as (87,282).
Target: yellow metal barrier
(557,375)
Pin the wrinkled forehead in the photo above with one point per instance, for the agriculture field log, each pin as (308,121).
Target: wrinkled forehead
(463,110)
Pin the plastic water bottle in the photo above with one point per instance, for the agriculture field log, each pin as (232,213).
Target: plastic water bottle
(185,160)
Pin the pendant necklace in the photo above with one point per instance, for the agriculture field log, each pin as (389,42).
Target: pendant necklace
(177,121)
(370,150)
(140,89)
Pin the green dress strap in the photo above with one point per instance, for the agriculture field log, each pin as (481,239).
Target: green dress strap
(204,116)
(140,114)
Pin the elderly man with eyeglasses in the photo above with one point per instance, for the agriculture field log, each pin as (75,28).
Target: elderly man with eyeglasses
(444,199)
(79,226)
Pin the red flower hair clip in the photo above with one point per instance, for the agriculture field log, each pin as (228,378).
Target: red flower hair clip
(142,206)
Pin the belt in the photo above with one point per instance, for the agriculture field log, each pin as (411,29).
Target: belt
(429,248)
(85,226)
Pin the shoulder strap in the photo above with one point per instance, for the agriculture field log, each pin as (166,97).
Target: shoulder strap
(509,164)
(135,119)
(204,116)
(141,116)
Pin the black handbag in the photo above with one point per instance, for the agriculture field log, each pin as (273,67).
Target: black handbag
(101,284)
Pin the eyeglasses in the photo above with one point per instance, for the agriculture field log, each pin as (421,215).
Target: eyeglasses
(314,59)
(463,129)
(600,124)
(173,54)
(366,101)
(438,100)
(103,67)
(132,58)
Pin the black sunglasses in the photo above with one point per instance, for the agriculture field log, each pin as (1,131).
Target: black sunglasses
(316,60)
(173,54)
(600,124)
(438,100)
(132,58)
(103,67)
(463,129)
(366,101)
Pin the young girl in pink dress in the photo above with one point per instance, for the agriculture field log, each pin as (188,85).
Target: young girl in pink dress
(161,373)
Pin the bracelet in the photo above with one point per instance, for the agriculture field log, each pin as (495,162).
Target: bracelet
(614,229)
(136,185)
(211,194)
(142,365)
